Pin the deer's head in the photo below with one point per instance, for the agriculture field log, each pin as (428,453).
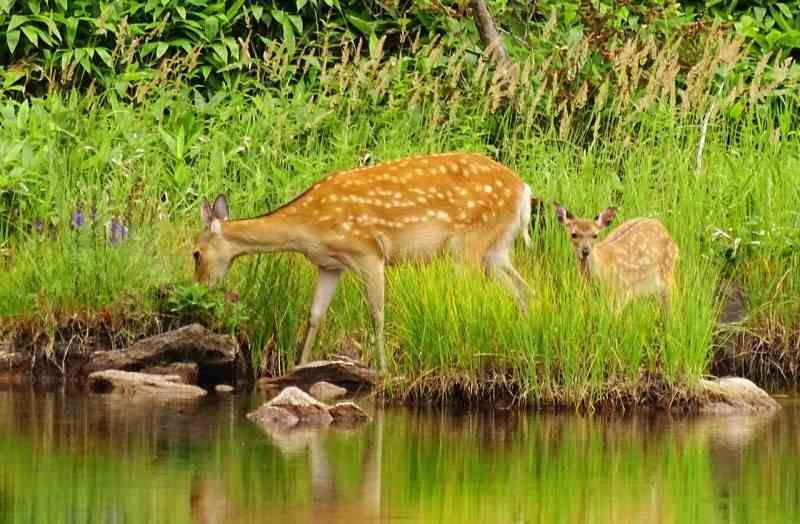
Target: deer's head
(212,252)
(583,232)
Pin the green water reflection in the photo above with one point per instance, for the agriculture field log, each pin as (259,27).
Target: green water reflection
(81,459)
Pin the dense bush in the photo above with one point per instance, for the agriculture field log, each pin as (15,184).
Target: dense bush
(46,43)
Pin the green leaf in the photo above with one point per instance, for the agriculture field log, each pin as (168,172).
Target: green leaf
(181,12)
(161,49)
(211,27)
(34,6)
(297,22)
(62,4)
(30,34)
(365,27)
(22,115)
(168,140)
(105,56)
(66,58)
(72,30)
(180,141)
(300,4)
(257,11)
(221,51)
(16,21)
(12,39)
(233,10)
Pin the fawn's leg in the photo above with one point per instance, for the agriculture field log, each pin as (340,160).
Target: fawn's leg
(327,281)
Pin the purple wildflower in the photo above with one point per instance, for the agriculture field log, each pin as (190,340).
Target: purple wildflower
(77,218)
(117,232)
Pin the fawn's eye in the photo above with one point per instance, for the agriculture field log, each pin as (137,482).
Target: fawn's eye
(574,235)
(594,236)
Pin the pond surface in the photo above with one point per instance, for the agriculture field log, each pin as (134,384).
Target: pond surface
(89,459)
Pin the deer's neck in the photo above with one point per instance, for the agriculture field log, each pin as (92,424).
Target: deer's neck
(267,234)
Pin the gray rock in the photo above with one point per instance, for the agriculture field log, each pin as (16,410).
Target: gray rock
(142,385)
(348,413)
(309,410)
(272,416)
(325,391)
(187,372)
(732,395)
(223,388)
(217,356)
(342,370)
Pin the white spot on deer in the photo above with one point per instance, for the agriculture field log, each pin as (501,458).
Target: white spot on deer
(441,215)
(498,183)
(422,200)
(470,204)
(487,188)
(347,226)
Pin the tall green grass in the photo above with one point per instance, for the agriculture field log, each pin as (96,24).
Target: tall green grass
(449,331)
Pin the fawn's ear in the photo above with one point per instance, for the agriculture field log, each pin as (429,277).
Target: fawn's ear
(563,215)
(605,218)
(220,208)
(206,213)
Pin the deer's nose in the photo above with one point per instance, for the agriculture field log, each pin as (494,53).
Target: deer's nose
(585,252)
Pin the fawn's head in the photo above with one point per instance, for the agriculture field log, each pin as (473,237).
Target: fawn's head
(212,254)
(583,231)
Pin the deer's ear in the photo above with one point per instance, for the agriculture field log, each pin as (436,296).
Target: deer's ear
(605,218)
(206,213)
(220,209)
(562,213)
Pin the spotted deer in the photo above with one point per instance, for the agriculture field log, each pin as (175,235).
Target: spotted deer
(365,219)
(636,259)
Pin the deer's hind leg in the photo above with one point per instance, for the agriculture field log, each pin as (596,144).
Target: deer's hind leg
(497,265)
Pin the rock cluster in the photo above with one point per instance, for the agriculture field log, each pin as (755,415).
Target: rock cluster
(294,408)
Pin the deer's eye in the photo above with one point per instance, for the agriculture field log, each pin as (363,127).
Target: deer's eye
(594,236)
(196,256)
(574,235)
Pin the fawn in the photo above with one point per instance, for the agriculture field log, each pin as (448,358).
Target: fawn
(364,219)
(636,259)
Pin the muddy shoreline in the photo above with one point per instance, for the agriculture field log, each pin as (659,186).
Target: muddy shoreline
(64,356)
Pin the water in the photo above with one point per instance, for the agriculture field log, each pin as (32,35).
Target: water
(88,459)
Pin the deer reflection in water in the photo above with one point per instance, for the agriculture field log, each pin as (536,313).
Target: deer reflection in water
(328,503)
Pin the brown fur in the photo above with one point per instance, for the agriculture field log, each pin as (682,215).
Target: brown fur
(366,218)
(637,258)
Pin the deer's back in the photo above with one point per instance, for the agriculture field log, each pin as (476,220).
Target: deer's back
(637,251)
(412,207)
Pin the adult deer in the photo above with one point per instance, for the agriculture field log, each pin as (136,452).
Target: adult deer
(366,218)
(636,259)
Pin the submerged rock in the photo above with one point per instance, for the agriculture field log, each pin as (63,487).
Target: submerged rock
(325,391)
(348,413)
(295,409)
(734,395)
(167,387)
(272,416)
(306,408)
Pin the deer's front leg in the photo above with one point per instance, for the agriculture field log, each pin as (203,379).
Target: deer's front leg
(372,275)
(327,281)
